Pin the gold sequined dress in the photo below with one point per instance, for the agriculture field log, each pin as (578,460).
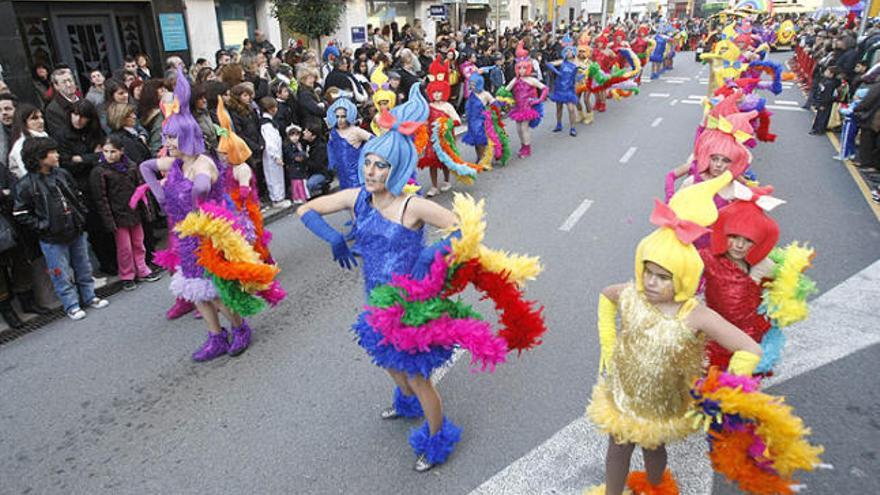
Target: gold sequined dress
(646,393)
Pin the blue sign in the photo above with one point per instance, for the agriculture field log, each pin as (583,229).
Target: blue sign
(437,11)
(358,35)
(173,32)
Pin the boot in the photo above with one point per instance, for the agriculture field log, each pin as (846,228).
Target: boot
(588,118)
(434,449)
(582,117)
(29,304)
(558,127)
(215,346)
(600,106)
(522,151)
(241,339)
(526,150)
(181,307)
(639,484)
(9,315)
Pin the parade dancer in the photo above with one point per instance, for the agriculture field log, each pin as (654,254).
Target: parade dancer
(346,140)
(384,98)
(606,58)
(658,55)
(389,234)
(563,93)
(640,46)
(528,106)
(438,93)
(192,177)
(642,396)
(477,103)
(584,83)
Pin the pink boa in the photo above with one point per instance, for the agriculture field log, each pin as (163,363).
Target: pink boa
(491,134)
(167,259)
(274,294)
(474,335)
(430,286)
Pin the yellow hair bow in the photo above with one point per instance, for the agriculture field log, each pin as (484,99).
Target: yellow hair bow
(171,108)
(726,126)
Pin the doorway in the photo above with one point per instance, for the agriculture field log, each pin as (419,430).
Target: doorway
(89,43)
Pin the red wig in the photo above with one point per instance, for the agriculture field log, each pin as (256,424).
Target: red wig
(438,75)
(746,219)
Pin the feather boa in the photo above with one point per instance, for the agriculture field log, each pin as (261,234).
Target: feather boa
(505,97)
(504,153)
(534,123)
(638,482)
(251,205)
(785,296)
(418,315)
(756,440)
(491,134)
(774,69)
(192,289)
(167,259)
(771,349)
(447,152)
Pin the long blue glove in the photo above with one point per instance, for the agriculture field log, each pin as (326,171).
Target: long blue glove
(426,257)
(341,254)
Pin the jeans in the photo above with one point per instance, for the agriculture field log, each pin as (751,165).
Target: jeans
(315,182)
(70,269)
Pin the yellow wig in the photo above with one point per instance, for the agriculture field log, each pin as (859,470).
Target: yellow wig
(380,88)
(230,144)
(693,204)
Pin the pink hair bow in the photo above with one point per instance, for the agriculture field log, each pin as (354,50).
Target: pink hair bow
(761,196)
(686,231)
(388,121)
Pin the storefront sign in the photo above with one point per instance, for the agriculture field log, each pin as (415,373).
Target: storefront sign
(173,32)
(437,11)
(358,35)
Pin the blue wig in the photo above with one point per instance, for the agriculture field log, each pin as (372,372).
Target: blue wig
(351,113)
(568,48)
(477,80)
(180,123)
(396,147)
(330,50)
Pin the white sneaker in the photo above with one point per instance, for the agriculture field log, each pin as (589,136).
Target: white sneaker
(282,204)
(76,314)
(98,303)
(445,187)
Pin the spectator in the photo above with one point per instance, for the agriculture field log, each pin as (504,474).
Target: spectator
(149,114)
(407,73)
(65,94)
(204,75)
(143,62)
(27,122)
(122,121)
(295,168)
(341,77)
(273,161)
(262,45)
(823,99)
(199,110)
(285,114)
(96,90)
(311,109)
(232,75)
(129,64)
(42,85)
(221,58)
(112,184)
(7,114)
(48,203)
(316,162)
(15,276)
(79,145)
(246,122)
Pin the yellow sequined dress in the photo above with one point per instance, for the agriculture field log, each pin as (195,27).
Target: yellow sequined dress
(646,393)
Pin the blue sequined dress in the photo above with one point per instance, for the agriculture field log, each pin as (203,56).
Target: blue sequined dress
(473,113)
(563,86)
(388,248)
(342,158)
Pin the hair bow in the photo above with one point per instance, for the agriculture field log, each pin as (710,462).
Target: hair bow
(761,196)
(726,126)
(170,108)
(388,121)
(220,131)
(686,231)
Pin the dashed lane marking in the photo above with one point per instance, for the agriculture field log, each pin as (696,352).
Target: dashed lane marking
(658,95)
(673,103)
(656,121)
(786,108)
(576,215)
(629,153)
(787,102)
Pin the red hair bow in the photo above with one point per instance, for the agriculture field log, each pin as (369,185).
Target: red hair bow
(686,231)
(388,121)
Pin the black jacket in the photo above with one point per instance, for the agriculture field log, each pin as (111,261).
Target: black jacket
(50,206)
(310,112)
(111,190)
(248,128)
(73,142)
(316,163)
(136,150)
(295,161)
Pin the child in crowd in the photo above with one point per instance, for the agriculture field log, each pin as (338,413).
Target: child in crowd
(48,203)
(295,171)
(273,162)
(823,99)
(113,182)
(319,176)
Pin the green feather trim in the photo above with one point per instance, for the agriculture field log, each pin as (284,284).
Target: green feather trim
(236,299)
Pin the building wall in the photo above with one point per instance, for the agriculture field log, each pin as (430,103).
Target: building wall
(204,35)
(13,58)
(268,24)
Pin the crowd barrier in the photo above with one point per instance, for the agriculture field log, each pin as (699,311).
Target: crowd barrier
(803,64)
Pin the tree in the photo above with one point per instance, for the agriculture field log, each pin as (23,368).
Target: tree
(313,18)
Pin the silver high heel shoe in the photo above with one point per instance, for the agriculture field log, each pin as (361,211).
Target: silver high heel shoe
(422,464)
(389,413)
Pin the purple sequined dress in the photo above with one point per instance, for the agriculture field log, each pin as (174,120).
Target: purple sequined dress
(189,281)
(523,94)
(388,248)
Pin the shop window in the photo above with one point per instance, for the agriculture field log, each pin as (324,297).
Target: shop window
(237,20)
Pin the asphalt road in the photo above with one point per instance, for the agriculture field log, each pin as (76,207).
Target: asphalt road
(113,404)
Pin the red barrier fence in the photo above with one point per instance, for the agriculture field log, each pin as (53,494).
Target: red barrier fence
(803,64)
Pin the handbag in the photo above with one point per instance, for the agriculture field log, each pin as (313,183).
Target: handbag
(7,235)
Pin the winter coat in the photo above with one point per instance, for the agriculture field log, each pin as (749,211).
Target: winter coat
(153,126)
(112,189)
(310,111)
(50,206)
(74,142)
(203,117)
(135,149)
(248,128)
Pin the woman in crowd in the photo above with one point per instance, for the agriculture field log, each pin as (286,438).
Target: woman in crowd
(27,122)
(150,115)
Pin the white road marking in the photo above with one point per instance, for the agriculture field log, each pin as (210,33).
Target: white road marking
(656,121)
(658,95)
(787,102)
(675,81)
(439,373)
(691,102)
(696,97)
(673,103)
(790,109)
(675,78)
(576,215)
(574,457)
(629,153)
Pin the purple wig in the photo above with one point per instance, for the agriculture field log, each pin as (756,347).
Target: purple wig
(180,123)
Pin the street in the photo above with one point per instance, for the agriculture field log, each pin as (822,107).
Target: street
(113,404)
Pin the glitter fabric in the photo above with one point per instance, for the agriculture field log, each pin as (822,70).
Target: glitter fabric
(647,391)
